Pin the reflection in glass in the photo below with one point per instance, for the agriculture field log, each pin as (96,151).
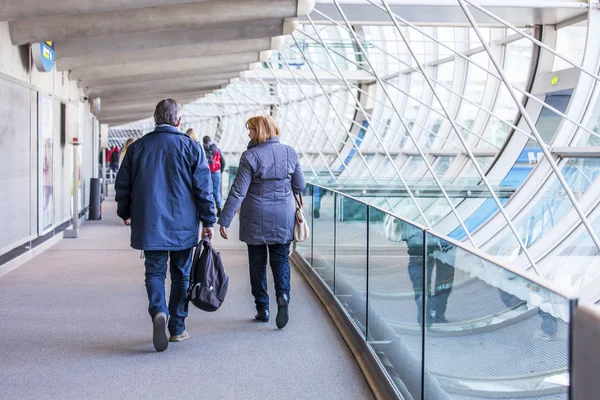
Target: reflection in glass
(573,263)
(323,216)
(351,259)
(501,335)
(395,299)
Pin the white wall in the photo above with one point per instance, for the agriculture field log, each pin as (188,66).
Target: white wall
(20,85)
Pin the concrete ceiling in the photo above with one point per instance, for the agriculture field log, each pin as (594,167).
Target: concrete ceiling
(133,53)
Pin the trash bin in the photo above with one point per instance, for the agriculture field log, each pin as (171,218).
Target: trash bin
(95,201)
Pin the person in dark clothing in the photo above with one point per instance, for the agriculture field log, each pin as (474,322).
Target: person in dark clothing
(440,253)
(164,191)
(216,163)
(114,160)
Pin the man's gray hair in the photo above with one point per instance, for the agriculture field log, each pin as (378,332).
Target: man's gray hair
(167,111)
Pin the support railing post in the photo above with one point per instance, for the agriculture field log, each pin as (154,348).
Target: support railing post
(423,312)
(335,217)
(367,272)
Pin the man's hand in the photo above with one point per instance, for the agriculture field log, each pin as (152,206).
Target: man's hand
(208,232)
(127,222)
(224,232)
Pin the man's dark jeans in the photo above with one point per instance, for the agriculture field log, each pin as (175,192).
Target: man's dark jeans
(156,273)
(280,265)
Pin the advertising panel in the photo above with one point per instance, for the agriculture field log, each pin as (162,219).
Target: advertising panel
(45,163)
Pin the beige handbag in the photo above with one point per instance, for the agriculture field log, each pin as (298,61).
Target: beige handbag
(392,228)
(301,231)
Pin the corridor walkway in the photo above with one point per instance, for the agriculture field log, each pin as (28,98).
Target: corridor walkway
(74,325)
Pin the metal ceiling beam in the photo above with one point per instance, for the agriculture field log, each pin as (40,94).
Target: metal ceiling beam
(123,121)
(166,67)
(134,101)
(210,49)
(170,88)
(128,117)
(98,91)
(151,100)
(157,76)
(132,42)
(12,10)
(134,112)
(150,19)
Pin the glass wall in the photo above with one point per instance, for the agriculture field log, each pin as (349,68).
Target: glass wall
(445,322)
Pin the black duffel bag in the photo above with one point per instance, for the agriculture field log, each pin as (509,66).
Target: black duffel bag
(208,279)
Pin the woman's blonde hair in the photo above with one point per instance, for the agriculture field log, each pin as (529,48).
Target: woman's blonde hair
(127,144)
(190,132)
(265,127)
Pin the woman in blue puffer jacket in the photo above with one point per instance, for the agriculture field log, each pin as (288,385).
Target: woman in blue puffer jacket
(269,174)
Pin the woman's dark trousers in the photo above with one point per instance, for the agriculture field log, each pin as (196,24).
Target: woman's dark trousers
(280,265)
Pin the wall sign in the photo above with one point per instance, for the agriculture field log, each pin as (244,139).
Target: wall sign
(43,56)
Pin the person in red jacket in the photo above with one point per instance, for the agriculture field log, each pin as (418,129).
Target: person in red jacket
(216,163)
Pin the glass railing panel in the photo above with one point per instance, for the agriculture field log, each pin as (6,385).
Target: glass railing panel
(395,299)
(491,333)
(323,234)
(351,259)
(305,248)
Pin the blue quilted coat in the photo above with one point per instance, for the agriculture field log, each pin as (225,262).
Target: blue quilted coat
(267,176)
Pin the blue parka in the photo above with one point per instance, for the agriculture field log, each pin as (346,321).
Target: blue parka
(164,186)
(267,176)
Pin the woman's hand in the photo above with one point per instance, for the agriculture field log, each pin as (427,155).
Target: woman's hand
(224,232)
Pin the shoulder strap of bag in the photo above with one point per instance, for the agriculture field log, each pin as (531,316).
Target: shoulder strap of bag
(298,198)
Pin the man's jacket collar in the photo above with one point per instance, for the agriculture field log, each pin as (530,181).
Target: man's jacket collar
(166,128)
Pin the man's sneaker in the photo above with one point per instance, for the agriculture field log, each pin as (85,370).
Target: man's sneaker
(160,337)
(180,338)
(282,310)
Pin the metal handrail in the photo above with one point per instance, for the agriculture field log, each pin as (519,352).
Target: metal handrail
(486,257)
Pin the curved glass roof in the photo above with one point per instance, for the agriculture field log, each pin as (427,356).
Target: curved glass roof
(422,108)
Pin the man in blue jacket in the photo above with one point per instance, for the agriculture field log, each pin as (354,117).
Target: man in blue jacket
(163,191)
